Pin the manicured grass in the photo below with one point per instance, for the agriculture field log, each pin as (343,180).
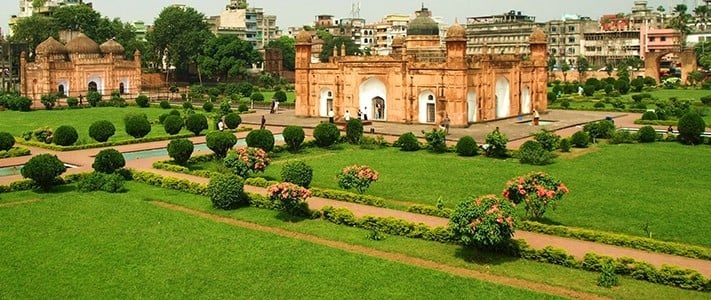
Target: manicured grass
(97,245)
(452,255)
(17,123)
(618,188)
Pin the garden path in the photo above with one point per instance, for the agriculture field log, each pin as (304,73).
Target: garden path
(84,158)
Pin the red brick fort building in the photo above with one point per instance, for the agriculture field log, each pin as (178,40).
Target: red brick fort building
(421,81)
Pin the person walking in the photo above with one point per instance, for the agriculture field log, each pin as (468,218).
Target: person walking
(221,124)
(264,123)
(276,107)
(347,116)
(536,117)
(365,113)
(446,122)
(330,116)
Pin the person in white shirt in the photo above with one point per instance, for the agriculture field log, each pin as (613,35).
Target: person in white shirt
(347,116)
(330,116)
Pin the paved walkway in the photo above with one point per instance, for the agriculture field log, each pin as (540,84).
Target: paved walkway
(566,123)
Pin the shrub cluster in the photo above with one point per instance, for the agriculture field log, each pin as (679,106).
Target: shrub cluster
(533,153)
(245,160)
(208,106)
(537,191)
(263,139)
(691,126)
(485,222)
(357,177)
(436,140)
(466,146)
(142,101)
(297,172)
(7,141)
(580,139)
(354,131)
(227,191)
(232,120)
(182,185)
(43,169)
(291,198)
(293,137)
(65,135)
(196,123)
(165,104)
(137,125)
(497,144)
(647,134)
(108,161)
(102,130)
(326,134)
(180,150)
(96,181)
(173,124)
(220,142)
(407,142)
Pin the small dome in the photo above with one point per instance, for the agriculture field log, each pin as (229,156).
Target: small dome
(538,36)
(50,46)
(113,47)
(398,41)
(456,31)
(303,37)
(82,45)
(423,25)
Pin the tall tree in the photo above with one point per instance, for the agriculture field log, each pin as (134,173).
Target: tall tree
(288,50)
(681,20)
(34,30)
(565,67)
(582,65)
(330,41)
(79,18)
(227,56)
(701,16)
(178,35)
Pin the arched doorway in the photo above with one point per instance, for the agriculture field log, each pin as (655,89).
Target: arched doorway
(526,100)
(503,97)
(61,90)
(370,90)
(471,107)
(122,88)
(325,102)
(378,109)
(428,107)
(92,87)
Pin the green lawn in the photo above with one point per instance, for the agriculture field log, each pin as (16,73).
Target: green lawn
(97,245)
(618,188)
(18,122)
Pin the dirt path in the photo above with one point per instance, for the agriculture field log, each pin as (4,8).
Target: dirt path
(397,257)
(19,202)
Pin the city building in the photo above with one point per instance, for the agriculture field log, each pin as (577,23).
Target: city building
(78,67)
(389,28)
(611,47)
(248,23)
(504,34)
(565,37)
(659,41)
(422,81)
(27,9)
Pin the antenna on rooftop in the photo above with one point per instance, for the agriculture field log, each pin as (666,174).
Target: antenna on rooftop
(355,10)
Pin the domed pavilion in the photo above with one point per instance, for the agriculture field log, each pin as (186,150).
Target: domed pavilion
(423,80)
(79,67)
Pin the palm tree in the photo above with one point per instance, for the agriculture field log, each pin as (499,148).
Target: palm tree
(681,21)
(701,14)
(662,12)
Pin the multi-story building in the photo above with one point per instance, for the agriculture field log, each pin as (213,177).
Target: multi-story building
(565,37)
(247,23)
(643,16)
(502,34)
(27,9)
(659,41)
(389,28)
(603,47)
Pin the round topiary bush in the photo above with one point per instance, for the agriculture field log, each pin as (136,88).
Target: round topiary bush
(65,135)
(691,126)
(208,106)
(227,191)
(220,142)
(196,123)
(6,141)
(650,115)
(647,134)
(173,124)
(599,105)
(102,130)
(137,126)
(257,97)
(72,102)
(108,161)
(180,150)
(580,139)
(533,153)
(326,134)
(293,137)
(165,104)
(280,96)
(43,169)
(232,120)
(242,108)
(564,145)
(263,139)
(187,105)
(297,172)
(466,146)
(408,142)
(354,131)
(142,101)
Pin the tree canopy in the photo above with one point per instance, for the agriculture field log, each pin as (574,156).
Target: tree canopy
(288,49)
(227,56)
(178,35)
(330,41)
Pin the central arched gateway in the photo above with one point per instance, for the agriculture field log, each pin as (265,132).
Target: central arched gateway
(372,91)
(503,97)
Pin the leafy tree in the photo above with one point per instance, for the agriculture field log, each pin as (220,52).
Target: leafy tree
(551,62)
(227,56)
(288,50)
(582,65)
(330,41)
(34,30)
(179,35)
(681,20)
(703,54)
(701,16)
(43,169)
(695,77)
(78,18)
(565,67)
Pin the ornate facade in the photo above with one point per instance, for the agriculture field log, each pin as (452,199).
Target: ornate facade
(78,67)
(421,81)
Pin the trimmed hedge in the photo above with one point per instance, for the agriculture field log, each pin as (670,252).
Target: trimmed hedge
(7,141)
(326,134)
(293,137)
(102,145)
(348,197)
(65,135)
(171,183)
(14,152)
(262,138)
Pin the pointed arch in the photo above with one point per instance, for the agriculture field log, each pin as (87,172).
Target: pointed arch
(503,97)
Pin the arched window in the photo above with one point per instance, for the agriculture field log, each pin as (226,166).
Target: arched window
(61,90)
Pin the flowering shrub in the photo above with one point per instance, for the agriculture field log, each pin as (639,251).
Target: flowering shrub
(43,134)
(291,197)
(483,222)
(357,177)
(245,160)
(537,190)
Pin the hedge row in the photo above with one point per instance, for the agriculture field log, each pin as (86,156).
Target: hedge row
(667,275)
(104,144)
(17,186)
(615,239)
(656,122)
(430,210)
(348,197)
(14,152)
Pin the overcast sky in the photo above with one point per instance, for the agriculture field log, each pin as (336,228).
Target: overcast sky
(300,12)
